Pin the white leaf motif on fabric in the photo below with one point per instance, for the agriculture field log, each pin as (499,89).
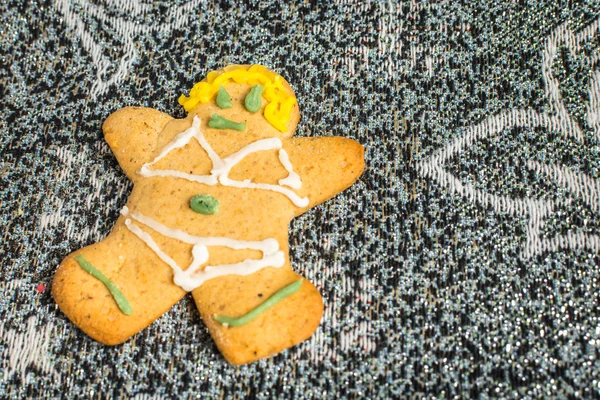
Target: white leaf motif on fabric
(21,350)
(582,186)
(127,31)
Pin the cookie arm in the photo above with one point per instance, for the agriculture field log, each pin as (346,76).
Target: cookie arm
(132,134)
(326,166)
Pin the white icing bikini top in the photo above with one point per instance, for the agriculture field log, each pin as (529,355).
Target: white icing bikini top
(222,166)
(192,277)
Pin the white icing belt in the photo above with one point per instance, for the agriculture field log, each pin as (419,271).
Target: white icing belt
(193,277)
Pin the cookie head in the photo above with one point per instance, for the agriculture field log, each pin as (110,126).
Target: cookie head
(250,99)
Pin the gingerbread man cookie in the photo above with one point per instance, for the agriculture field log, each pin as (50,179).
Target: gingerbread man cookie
(212,199)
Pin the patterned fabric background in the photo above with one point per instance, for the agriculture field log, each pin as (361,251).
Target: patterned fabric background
(464,262)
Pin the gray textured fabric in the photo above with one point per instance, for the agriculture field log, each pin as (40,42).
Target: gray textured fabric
(464,262)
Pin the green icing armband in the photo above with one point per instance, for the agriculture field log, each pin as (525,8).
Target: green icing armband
(112,288)
(218,122)
(270,302)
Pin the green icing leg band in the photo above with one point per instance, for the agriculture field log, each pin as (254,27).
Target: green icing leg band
(218,122)
(270,302)
(112,288)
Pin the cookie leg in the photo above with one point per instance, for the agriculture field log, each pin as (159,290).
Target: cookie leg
(145,283)
(285,324)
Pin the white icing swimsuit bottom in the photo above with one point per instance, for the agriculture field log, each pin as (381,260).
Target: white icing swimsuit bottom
(193,277)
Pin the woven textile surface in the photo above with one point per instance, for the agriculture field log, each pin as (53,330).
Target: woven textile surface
(463,263)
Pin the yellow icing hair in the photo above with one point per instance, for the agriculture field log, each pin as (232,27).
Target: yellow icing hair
(280,100)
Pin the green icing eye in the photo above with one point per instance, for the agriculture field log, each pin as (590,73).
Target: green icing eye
(223,98)
(253,100)
(204,204)
(218,122)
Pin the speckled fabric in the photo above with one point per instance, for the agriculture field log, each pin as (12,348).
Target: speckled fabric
(464,263)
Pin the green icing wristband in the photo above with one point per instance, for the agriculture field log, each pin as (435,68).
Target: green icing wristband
(270,302)
(253,100)
(218,122)
(112,288)
(204,204)
(223,98)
